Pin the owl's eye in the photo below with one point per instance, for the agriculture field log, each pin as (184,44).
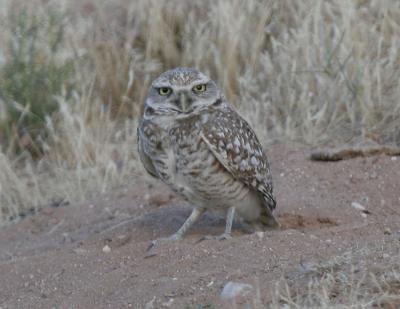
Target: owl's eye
(164,91)
(199,88)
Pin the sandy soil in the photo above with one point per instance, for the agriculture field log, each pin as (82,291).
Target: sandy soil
(56,259)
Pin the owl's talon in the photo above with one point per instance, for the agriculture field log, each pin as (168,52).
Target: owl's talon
(224,236)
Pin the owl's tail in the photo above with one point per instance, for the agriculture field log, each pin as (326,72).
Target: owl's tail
(266,221)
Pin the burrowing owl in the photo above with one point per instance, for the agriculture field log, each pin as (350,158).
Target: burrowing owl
(194,141)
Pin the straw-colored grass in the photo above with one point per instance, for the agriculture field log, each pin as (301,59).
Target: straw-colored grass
(346,281)
(74,74)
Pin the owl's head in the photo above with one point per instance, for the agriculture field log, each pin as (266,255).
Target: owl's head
(181,91)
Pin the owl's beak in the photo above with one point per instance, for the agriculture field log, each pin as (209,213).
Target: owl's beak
(184,102)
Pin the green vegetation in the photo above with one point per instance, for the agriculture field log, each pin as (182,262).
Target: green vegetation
(31,77)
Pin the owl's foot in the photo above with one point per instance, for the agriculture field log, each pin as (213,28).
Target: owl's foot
(228,227)
(224,236)
(172,238)
(196,213)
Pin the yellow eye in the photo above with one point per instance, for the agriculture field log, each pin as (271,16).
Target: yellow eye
(199,88)
(164,91)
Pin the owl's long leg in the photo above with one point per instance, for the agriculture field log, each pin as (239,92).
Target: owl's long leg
(229,220)
(194,216)
(228,227)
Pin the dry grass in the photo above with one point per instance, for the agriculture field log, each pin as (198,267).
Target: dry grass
(364,278)
(346,281)
(311,71)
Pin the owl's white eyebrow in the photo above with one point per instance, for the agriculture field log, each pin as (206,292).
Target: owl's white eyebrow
(178,87)
(201,81)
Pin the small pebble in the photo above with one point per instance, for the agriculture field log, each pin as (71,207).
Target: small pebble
(106,249)
(80,251)
(357,206)
(387,231)
(260,235)
(167,304)
(235,289)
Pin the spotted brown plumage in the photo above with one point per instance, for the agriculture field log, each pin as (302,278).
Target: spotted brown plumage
(193,140)
(236,146)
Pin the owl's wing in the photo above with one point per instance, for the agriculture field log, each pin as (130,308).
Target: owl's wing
(233,142)
(141,142)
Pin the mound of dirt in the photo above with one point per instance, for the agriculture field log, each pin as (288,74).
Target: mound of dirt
(93,255)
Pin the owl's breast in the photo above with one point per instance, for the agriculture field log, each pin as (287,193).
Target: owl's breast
(184,162)
(170,149)
(201,178)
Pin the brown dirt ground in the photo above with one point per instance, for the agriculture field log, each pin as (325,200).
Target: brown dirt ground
(55,259)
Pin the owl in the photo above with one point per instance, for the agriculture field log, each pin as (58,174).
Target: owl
(193,140)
